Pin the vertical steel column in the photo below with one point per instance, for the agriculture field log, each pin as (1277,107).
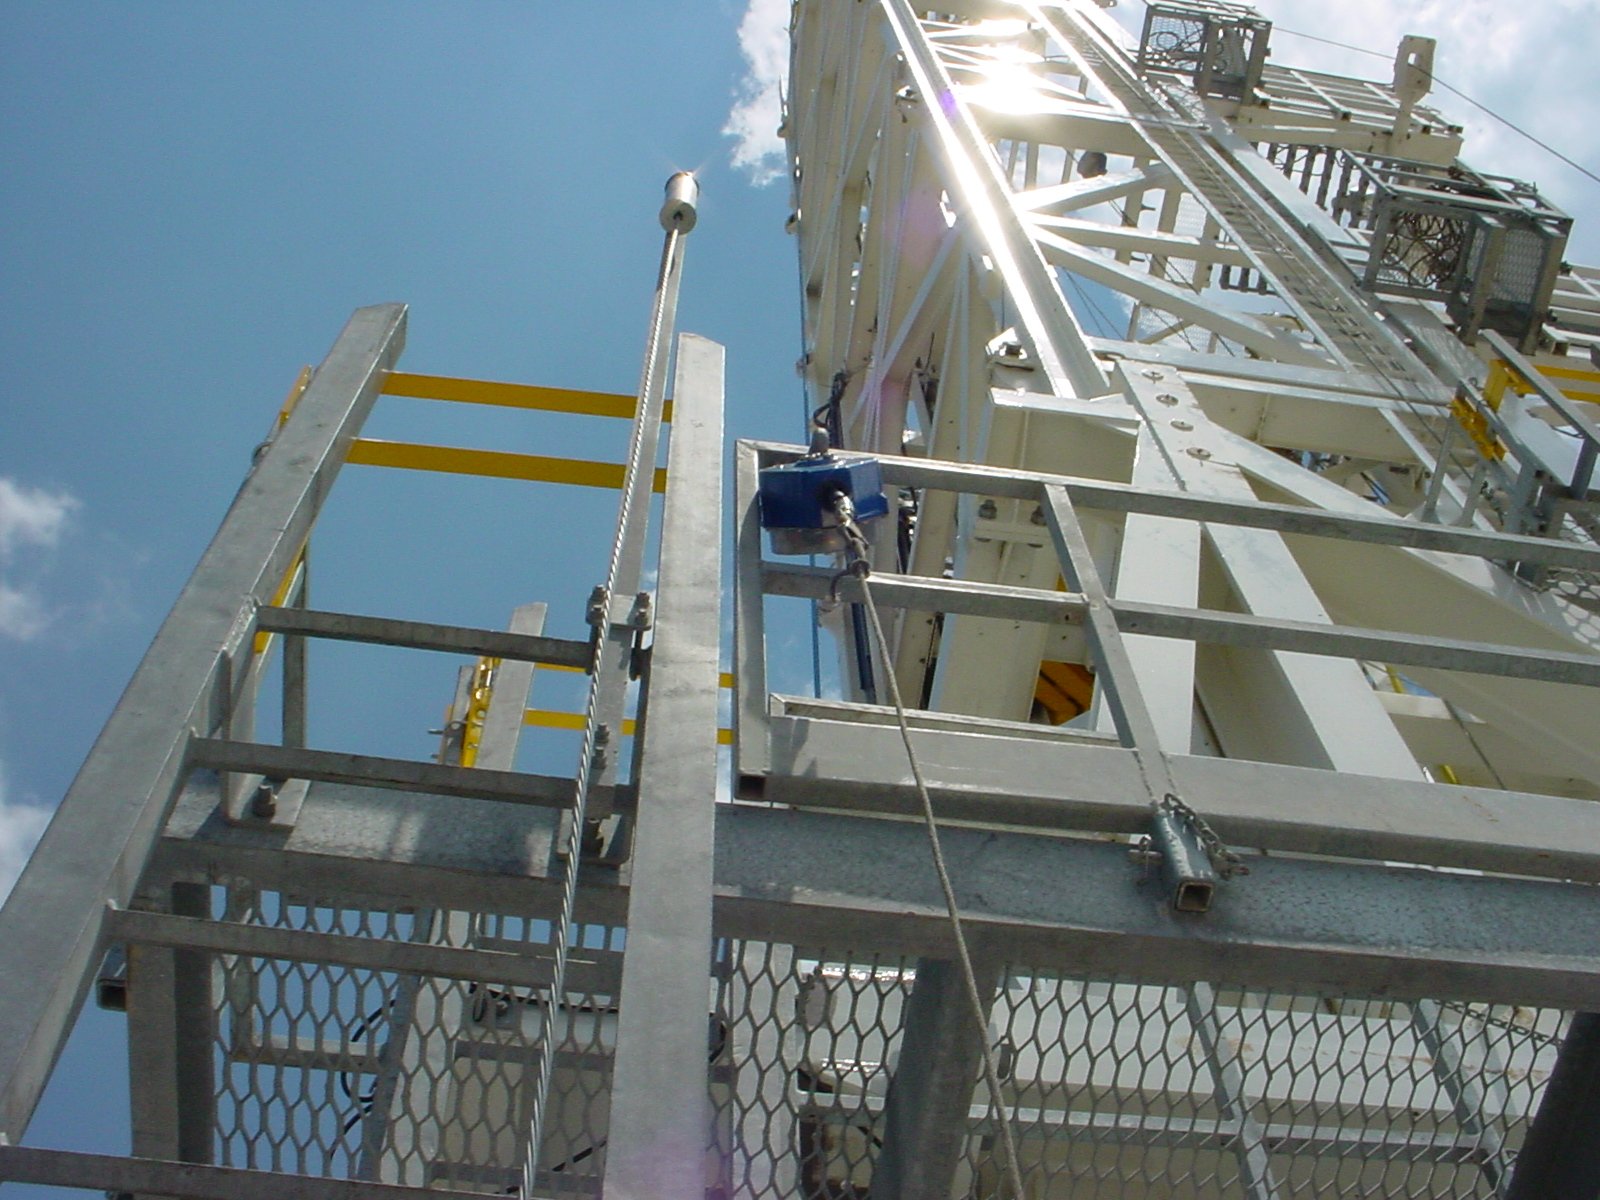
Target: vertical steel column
(1560,1158)
(294,661)
(660,1116)
(96,847)
(171,1041)
(927,1114)
(752,753)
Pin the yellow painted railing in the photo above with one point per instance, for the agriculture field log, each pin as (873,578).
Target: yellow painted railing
(544,718)
(514,395)
(495,464)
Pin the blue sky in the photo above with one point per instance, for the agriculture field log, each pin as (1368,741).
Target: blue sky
(197,195)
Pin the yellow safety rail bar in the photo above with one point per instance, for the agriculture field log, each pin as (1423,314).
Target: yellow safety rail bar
(496,464)
(500,464)
(514,395)
(264,640)
(545,718)
(1503,375)
(478,696)
(302,381)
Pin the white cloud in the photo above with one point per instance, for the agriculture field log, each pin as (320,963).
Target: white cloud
(22,613)
(29,518)
(20,827)
(758,102)
(1531,65)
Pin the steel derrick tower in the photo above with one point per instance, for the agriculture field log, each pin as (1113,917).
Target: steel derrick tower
(1240,582)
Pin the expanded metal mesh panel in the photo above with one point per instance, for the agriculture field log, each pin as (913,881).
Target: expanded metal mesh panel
(812,1036)
(357,1073)
(1505,273)
(1130,1091)
(1174,42)
(1219,46)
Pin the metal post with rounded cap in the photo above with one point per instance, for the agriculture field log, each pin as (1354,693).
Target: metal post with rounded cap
(678,209)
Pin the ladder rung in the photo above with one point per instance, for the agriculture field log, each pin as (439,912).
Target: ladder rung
(399,774)
(424,635)
(334,949)
(545,718)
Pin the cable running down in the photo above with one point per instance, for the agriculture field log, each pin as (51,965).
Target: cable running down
(858,566)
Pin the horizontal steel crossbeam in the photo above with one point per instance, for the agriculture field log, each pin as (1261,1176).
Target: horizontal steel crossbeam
(1101,1128)
(1201,625)
(1024,781)
(812,878)
(1339,641)
(423,635)
(193,1181)
(1004,483)
(299,945)
(400,774)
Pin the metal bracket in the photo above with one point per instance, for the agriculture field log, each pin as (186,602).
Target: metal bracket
(263,802)
(642,615)
(1191,856)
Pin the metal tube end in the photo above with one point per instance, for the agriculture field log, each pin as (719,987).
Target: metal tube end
(678,211)
(1184,866)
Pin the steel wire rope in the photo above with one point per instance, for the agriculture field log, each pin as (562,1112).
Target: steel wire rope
(861,569)
(634,470)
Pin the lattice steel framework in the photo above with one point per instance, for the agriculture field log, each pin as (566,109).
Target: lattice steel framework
(1150,439)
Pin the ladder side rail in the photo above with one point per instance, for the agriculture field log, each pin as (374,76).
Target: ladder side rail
(52,928)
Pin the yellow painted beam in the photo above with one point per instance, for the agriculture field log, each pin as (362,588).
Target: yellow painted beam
(724,679)
(514,395)
(495,464)
(544,718)
(1502,375)
(1581,373)
(296,390)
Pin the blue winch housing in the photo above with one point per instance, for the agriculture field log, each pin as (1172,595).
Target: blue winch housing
(797,500)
